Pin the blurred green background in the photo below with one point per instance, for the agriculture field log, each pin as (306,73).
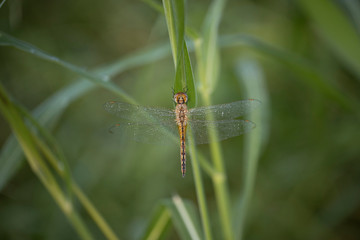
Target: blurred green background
(308,177)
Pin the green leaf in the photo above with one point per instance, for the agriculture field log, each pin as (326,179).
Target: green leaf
(199,186)
(190,83)
(181,213)
(174,15)
(251,76)
(96,77)
(158,7)
(33,151)
(336,30)
(185,221)
(175,19)
(1,4)
(49,112)
(209,56)
(158,225)
(300,66)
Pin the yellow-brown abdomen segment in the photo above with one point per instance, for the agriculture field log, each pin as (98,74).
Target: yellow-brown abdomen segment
(182,133)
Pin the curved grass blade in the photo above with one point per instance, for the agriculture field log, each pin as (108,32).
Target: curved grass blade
(178,212)
(158,225)
(210,60)
(189,76)
(353,6)
(208,68)
(57,160)
(309,74)
(28,143)
(185,212)
(174,15)
(182,215)
(48,113)
(252,78)
(96,77)
(336,30)
(2,3)
(175,19)
(199,185)
(157,6)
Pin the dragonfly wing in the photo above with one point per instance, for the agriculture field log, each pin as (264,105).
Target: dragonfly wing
(139,113)
(225,129)
(148,133)
(224,111)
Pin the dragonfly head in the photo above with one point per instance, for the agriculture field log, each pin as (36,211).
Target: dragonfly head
(180,98)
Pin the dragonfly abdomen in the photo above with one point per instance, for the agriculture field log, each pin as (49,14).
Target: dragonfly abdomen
(181,121)
(182,131)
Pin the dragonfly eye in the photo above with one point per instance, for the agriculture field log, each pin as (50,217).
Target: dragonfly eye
(180,98)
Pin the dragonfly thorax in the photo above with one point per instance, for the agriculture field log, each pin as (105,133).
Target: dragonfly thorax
(181,112)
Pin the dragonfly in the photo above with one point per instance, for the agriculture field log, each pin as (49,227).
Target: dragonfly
(158,125)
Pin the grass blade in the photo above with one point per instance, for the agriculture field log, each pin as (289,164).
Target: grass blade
(38,165)
(186,217)
(209,57)
(175,19)
(252,78)
(208,68)
(182,215)
(174,15)
(309,74)
(199,186)
(97,78)
(336,30)
(158,225)
(3,1)
(156,6)
(48,113)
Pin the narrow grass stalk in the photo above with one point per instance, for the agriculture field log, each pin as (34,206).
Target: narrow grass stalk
(175,19)
(206,165)
(96,216)
(219,179)
(72,186)
(252,78)
(49,112)
(160,225)
(207,55)
(199,186)
(2,2)
(172,24)
(185,216)
(86,203)
(38,164)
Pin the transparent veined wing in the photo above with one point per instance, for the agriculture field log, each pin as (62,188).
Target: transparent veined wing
(167,134)
(140,113)
(151,133)
(224,111)
(225,129)
(157,125)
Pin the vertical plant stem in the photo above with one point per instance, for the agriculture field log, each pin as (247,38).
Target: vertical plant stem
(208,64)
(219,179)
(96,216)
(38,165)
(199,186)
(93,212)
(250,72)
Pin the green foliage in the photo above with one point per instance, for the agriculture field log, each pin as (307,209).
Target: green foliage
(297,169)
(175,19)
(334,27)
